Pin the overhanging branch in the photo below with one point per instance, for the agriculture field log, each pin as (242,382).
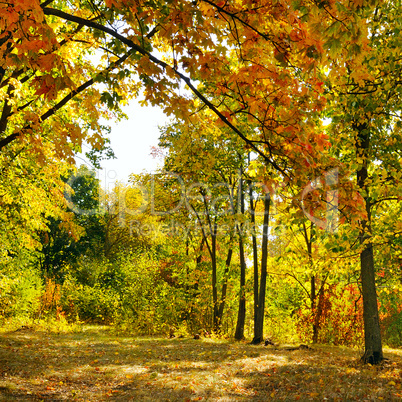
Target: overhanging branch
(5,141)
(155,60)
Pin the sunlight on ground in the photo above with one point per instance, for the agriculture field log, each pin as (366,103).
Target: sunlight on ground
(95,365)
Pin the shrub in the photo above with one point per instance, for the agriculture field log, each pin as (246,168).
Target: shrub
(390,301)
(89,303)
(341,320)
(20,294)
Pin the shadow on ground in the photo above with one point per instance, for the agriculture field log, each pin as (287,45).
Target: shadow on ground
(96,365)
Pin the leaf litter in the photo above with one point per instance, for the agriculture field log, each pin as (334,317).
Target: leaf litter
(98,365)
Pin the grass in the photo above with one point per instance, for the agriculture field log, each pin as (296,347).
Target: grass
(97,365)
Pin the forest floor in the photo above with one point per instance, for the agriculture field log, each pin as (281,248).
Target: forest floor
(97,365)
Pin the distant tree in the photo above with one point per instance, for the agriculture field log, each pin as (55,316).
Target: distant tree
(80,233)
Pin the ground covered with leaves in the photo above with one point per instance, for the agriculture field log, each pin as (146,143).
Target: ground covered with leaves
(98,365)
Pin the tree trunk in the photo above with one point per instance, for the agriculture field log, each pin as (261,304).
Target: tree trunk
(259,318)
(225,285)
(241,315)
(319,311)
(216,323)
(217,305)
(372,333)
(213,228)
(315,314)
(313,309)
(255,254)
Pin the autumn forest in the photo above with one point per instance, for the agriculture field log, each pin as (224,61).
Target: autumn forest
(275,219)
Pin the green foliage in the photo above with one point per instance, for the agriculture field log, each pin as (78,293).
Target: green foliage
(20,294)
(284,299)
(145,292)
(88,303)
(81,231)
(390,301)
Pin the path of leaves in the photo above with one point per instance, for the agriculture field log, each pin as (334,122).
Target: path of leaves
(97,366)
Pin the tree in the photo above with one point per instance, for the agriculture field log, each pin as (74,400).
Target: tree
(80,233)
(364,86)
(261,86)
(46,80)
(268,63)
(260,279)
(30,195)
(129,223)
(241,316)
(209,175)
(42,120)
(186,33)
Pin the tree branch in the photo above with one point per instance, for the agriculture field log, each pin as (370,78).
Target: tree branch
(5,141)
(187,80)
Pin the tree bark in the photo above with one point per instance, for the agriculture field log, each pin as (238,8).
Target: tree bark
(259,317)
(241,315)
(372,334)
(255,253)
(217,305)
(224,285)
(313,296)
(318,312)
(313,281)
(216,323)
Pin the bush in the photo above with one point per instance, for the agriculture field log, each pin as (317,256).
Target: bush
(132,292)
(390,301)
(20,295)
(341,320)
(89,303)
(284,299)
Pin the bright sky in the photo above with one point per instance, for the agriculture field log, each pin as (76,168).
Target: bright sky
(131,141)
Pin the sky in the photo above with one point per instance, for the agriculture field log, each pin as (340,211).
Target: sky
(131,141)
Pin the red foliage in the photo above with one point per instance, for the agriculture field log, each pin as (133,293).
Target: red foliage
(341,316)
